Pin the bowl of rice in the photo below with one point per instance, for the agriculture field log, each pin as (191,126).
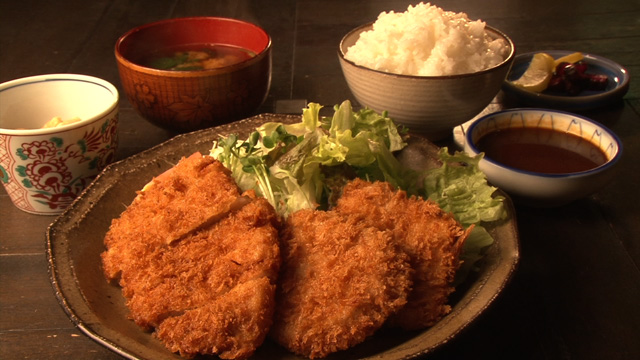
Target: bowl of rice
(430,69)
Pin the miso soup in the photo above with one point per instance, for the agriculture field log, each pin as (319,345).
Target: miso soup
(197,57)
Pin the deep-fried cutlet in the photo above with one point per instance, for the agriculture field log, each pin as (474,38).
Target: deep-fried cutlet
(432,238)
(197,261)
(238,317)
(340,281)
(196,270)
(197,191)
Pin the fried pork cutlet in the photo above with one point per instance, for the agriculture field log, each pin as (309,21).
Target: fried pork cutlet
(198,191)
(197,261)
(223,327)
(432,238)
(340,281)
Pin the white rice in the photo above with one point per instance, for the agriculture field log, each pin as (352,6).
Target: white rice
(427,41)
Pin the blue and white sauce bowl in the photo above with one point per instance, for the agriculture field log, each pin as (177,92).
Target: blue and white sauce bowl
(542,157)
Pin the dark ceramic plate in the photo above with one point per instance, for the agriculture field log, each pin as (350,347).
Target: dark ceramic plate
(74,244)
(617,86)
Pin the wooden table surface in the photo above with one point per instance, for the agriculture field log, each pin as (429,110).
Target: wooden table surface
(576,294)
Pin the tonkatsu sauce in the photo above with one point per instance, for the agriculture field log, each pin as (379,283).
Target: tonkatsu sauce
(541,150)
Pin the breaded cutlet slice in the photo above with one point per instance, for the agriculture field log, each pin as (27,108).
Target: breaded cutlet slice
(432,238)
(340,281)
(197,191)
(229,327)
(232,256)
(196,270)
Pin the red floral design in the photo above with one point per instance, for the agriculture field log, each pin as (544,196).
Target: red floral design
(57,201)
(39,150)
(49,172)
(50,175)
(110,131)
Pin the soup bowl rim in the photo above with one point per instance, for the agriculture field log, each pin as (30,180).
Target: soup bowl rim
(192,73)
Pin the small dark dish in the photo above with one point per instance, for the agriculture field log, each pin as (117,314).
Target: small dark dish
(75,242)
(188,100)
(617,85)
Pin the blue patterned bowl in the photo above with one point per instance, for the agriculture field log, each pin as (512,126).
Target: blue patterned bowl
(544,189)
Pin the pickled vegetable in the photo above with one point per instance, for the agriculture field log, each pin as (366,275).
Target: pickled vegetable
(573,78)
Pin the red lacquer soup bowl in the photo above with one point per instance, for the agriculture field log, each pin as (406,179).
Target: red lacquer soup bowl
(186,74)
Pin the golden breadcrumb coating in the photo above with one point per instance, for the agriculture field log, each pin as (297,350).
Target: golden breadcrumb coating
(237,317)
(339,283)
(205,267)
(188,196)
(184,276)
(432,238)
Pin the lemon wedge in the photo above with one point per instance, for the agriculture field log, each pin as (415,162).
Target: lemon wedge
(538,74)
(571,59)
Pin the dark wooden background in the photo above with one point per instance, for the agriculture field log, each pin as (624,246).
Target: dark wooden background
(576,294)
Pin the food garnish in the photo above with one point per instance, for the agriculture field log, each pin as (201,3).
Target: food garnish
(570,58)
(572,79)
(305,165)
(293,165)
(567,75)
(538,74)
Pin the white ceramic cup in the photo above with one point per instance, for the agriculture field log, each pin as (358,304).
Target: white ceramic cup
(44,169)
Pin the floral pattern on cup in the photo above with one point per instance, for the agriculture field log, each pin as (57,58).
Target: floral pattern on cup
(46,167)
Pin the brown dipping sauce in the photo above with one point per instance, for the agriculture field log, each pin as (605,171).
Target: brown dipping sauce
(541,150)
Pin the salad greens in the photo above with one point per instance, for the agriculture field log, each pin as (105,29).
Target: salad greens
(305,165)
(460,187)
(295,166)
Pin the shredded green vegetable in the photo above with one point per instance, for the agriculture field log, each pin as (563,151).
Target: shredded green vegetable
(292,165)
(305,165)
